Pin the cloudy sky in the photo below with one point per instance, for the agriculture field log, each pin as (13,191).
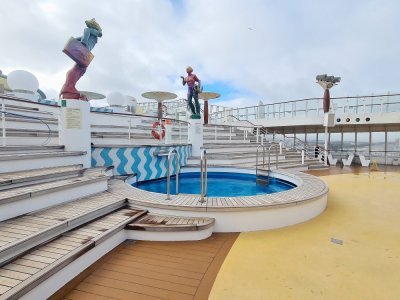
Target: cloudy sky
(247,50)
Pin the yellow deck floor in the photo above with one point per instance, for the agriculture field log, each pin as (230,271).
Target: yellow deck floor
(302,262)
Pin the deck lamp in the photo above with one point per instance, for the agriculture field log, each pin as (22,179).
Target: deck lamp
(327,82)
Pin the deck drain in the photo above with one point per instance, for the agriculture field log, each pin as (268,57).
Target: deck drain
(337,241)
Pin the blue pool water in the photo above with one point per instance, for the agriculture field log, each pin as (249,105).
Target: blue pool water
(220,184)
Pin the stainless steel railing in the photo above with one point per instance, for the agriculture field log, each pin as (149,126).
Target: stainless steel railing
(170,153)
(203,174)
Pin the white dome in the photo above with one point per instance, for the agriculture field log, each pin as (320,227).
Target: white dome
(131,99)
(22,80)
(116,99)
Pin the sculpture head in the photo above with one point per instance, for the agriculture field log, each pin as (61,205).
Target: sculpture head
(189,70)
(92,23)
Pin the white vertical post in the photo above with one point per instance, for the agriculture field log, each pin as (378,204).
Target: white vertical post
(258,133)
(302,157)
(3,121)
(129,132)
(195,134)
(326,146)
(75,128)
(280,147)
(230,134)
(215,134)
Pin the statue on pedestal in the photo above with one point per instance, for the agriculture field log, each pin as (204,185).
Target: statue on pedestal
(193,92)
(78,49)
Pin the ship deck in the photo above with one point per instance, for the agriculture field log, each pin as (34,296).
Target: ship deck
(351,251)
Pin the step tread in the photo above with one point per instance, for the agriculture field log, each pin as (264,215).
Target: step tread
(43,188)
(40,155)
(14,177)
(156,222)
(40,263)
(31,228)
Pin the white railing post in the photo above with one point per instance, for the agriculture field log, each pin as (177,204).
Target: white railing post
(280,147)
(3,121)
(230,134)
(180,133)
(302,157)
(258,133)
(215,134)
(129,131)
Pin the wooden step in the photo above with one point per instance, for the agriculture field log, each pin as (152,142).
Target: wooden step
(162,223)
(25,273)
(16,179)
(23,233)
(22,200)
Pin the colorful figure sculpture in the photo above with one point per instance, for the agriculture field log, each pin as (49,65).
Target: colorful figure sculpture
(78,49)
(193,92)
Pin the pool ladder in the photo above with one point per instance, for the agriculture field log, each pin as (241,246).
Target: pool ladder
(203,175)
(170,153)
(260,180)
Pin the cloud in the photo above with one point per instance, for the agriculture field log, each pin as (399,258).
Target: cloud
(147,45)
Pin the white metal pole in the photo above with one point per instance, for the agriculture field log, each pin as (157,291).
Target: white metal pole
(326,147)
(3,121)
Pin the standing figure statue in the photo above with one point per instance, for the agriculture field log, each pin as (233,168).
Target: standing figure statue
(193,92)
(78,49)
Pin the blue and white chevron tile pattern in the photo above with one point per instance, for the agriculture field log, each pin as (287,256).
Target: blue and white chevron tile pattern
(139,160)
(101,109)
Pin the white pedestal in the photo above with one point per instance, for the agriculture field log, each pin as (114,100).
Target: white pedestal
(168,132)
(74,131)
(195,135)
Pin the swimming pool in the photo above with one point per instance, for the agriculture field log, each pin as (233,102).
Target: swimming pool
(220,184)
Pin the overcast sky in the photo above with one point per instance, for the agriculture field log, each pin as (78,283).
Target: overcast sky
(247,50)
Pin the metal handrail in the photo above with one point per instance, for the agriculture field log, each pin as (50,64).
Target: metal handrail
(4,113)
(203,174)
(269,158)
(263,146)
(170,153)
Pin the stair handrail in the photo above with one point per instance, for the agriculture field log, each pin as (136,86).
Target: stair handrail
(258,147)
(170,153)
(269,157)
(4,113)
(203,174)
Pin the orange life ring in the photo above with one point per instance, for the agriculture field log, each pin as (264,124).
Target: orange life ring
(154,131)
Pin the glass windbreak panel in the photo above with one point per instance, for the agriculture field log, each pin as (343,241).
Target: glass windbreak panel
(362,142)
(335,141)
(277,109)
(251,113)
(393,104)
(377,141)
(393,141)
(242,114)
(313,106)
(269,110)
(376,104)
(288,108)
(262,112)
(349,139)
(300,108)
(352,105)
(337,106)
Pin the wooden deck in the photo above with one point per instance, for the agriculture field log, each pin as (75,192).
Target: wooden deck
(153,270)
(308,189)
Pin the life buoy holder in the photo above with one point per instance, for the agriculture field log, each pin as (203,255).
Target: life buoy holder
(155,132)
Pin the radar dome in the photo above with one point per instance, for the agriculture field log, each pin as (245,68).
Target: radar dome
(117,102)
(24,84)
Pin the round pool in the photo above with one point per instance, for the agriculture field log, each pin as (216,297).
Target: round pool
(220,184)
